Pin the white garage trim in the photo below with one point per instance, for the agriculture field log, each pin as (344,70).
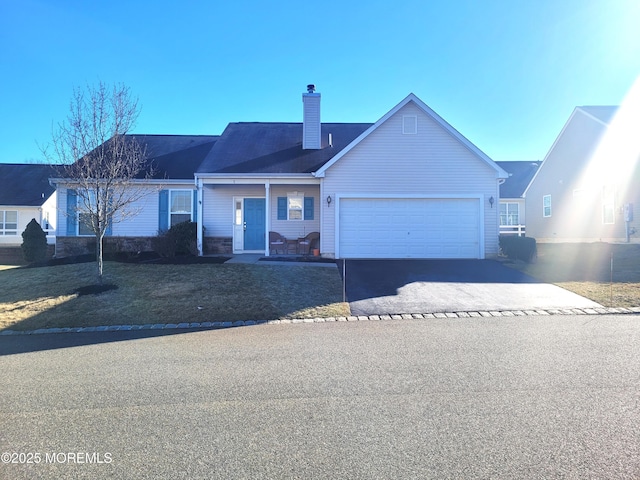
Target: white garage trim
(377,196)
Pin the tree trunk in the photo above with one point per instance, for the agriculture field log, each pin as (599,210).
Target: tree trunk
(99,258)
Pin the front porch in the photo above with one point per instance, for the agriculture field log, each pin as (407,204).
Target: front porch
(242,215)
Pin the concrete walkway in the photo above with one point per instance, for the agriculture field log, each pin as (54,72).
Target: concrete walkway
(254,258)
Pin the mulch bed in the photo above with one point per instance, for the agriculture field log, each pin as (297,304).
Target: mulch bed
(294,258)
(122,257)
(95,289)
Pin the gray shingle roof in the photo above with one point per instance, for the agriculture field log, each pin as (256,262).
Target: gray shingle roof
(176,157)
(25,184)
(271,148)
(520,174)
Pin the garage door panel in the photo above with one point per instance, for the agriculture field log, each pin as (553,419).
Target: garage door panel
(409,228)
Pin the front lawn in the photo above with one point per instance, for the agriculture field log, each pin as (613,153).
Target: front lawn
(47,297)
(586,270)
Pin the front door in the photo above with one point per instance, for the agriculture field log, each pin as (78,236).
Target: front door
(254,224)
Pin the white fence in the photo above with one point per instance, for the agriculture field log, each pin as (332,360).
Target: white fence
(517,230)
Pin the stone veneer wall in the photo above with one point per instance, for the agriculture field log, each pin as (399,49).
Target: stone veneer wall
(69,246)
(218,245)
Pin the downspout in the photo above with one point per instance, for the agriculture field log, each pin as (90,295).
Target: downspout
(267,223)
(199,229)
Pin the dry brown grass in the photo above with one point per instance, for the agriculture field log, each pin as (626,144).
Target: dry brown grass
(44,297)
(586,269)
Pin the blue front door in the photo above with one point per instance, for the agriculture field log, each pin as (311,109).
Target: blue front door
(254,224)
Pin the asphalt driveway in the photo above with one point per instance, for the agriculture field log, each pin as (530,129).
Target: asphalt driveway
(379,287)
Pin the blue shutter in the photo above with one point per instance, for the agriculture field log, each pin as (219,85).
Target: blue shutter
(195,206)
(163,211)
(282,208)
(72,213)
(109,231)
(308,208)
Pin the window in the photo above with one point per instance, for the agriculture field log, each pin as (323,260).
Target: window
(8,222)
(84,218)
(546,206)
(84,224)
(509,213)
(608,206)
(409,124)
(295,205)
(181,204)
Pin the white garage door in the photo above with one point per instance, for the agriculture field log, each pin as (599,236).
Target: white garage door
(409,228)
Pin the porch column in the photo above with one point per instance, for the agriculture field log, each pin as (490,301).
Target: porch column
(267,222)
(200,239)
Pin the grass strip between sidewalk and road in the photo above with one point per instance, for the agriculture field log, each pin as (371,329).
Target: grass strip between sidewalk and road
(47,297)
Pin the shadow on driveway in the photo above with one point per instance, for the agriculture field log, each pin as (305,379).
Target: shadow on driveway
(378,287)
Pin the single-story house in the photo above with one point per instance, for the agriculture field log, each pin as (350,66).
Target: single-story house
(25,194)
(406,186)
(512,210)
(588,183)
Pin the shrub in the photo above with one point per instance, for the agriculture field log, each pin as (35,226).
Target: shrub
(186,235)
(34,242)
(164,245)
(180,239)
(519,248)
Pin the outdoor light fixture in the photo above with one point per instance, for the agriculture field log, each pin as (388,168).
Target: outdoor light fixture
(329,200)
(491,200)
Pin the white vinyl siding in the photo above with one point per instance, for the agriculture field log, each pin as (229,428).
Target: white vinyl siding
(432,162)
(24,214)
(143,224)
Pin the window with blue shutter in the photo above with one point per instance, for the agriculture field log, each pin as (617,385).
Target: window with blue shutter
(194,217)
(282,208)
(72,220)
(163,211)
(308,208)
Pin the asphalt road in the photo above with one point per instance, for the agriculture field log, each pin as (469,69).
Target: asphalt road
(386,287)
(532,397)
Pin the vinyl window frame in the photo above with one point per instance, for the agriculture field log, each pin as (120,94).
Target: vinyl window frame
(546,206)
(9,232)
(508,215)
(180,212)
(608,206)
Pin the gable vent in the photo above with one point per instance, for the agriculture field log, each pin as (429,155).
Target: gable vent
(409,124)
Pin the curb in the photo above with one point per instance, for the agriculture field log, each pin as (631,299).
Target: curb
(360,318)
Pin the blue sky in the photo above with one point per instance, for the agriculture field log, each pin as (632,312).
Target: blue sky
(506,74)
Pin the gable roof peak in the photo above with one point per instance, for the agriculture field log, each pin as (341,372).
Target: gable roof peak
(429,112)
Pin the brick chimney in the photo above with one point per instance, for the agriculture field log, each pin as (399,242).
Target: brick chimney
(311,119)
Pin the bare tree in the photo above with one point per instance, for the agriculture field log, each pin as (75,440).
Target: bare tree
(102,163)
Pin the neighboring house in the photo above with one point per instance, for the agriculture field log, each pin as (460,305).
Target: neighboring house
(407,186)
(512,208)
(589,182)
(25,194)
